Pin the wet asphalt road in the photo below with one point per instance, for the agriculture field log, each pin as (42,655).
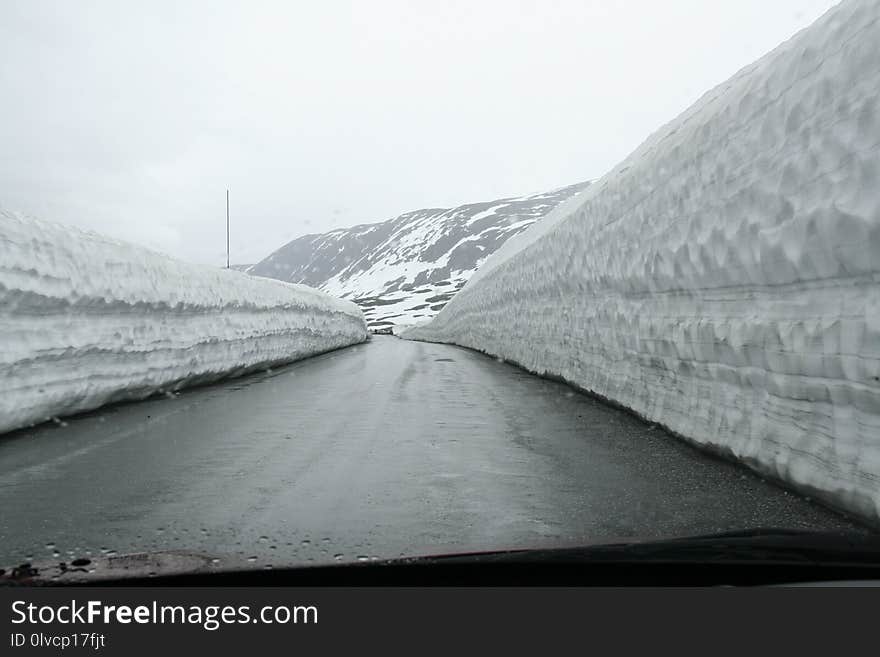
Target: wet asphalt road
(383,449)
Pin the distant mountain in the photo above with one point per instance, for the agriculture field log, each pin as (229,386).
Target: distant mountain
(404,270)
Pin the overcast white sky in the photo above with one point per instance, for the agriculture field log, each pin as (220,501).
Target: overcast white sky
(132,118)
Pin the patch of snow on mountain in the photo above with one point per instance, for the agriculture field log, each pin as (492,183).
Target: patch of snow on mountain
(404,270)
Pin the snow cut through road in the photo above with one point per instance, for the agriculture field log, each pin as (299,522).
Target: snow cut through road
(381,449)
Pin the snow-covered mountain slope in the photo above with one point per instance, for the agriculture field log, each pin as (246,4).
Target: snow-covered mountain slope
(85,321)
(724,280)
(404,270)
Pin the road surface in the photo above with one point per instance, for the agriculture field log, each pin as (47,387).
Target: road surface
(383,449)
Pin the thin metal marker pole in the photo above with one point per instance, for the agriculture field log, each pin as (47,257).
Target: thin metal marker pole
(227,228)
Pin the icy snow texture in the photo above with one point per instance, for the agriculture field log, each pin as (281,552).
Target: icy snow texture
(724,280)
(85,320)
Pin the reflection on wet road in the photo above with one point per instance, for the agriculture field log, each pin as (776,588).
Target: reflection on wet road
(384,449)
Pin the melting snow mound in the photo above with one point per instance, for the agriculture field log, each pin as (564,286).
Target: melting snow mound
(724,280)
(85,321)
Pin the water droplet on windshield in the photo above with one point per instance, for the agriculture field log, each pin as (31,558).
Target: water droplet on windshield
(305,542)
(363,557)
(338,557)
(252,559)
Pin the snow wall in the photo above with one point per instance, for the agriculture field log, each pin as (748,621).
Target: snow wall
(724,280)
(85,320)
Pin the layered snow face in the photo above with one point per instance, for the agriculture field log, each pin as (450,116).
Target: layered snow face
(85,320)
(724,280)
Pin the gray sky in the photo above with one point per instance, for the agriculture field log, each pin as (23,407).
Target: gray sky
(131,118)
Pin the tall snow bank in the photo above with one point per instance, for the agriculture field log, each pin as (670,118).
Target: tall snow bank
(724,280)
(85,320)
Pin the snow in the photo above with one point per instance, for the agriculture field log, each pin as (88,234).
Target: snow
(724,280)
(487,213)
(382,281)
(86,321)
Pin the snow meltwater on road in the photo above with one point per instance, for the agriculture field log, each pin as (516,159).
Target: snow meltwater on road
(724,280)
(86,320)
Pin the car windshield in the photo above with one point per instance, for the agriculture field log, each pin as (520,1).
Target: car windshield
(290,284)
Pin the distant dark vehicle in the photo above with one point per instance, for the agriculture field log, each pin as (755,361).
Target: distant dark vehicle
(384,330)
